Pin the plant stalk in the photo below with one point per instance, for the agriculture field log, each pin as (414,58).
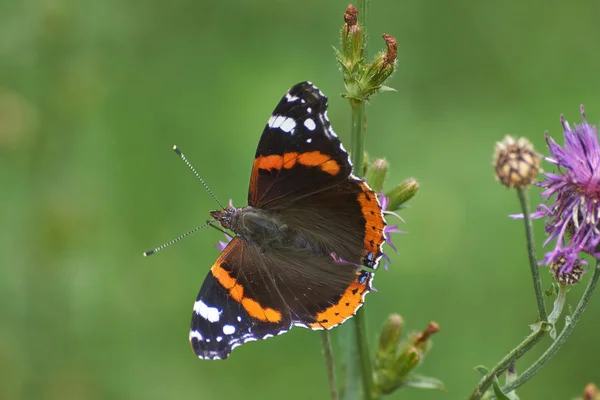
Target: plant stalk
(333,389)
(360,326)
(509,359)
(358,137)
(562,337)
(358,130)
(535,271)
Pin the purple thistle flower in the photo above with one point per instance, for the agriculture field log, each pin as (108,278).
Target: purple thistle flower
(573,217)
(389,229)
(221,245)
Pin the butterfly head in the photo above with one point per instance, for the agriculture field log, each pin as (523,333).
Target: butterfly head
(227,217)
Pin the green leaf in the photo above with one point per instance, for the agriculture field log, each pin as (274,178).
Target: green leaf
(338,54)
(553,332)
(498,392)
(384,88)
(423,382)
(482,370)
(536,327)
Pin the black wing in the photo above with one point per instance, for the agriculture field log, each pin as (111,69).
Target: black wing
(298,152)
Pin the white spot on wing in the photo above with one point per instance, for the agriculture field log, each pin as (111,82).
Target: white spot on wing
(276,120)
(309,110)
(239,318)
(212,314)
(310,124)
(288,125)
(197,335)
(219,338)
(228,329)
(309,140)
(291,98)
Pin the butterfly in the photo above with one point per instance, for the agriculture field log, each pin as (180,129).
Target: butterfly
(305,247)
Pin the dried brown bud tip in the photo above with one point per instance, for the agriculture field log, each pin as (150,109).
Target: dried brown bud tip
(392,49)
(432,328)
(515,162)
(351,15)
(590,392)
(566,278)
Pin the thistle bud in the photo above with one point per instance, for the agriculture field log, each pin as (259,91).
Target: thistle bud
(422,339)
(516,162)
(381,68)
(565,277)
(376,174)
(396,359)
(590,393)
(352,39)
(390,336)
(402,193)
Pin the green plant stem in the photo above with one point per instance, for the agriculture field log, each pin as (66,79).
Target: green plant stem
(360,326)
(510,358)
(363,15)
(358,150)
(535,271)
(362,345)
(562,337)
(358,137)
(333,389)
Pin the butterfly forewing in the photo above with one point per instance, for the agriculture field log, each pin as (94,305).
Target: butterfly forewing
(298,152)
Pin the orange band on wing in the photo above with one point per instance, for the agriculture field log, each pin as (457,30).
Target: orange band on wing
(374,225)
(346,307)
(236,291)
(288,160)
(318,159)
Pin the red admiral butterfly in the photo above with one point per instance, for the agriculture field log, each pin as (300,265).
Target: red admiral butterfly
(301,243)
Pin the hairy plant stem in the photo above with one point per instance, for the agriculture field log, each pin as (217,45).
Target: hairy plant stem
(363,13)
(358,130)
(535,271)
(360,325)
(509,359)
(358,137)
(542,326)
(562,337)
(333,389)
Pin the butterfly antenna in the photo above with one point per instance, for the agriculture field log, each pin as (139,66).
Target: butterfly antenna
(185,160)
(162,246)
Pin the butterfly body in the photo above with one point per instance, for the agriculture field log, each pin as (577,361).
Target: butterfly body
(254,226)
(306,245)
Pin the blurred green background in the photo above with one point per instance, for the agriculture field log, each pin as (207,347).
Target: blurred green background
(93,95)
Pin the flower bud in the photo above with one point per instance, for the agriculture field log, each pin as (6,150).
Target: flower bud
(590,393)
(381,68)
(566,278)
(402,193)
(422,339)
(352,39)
(390,336)
(515,162)
(376,174)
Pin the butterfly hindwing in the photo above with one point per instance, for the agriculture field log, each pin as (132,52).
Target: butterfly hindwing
(345,219)
(249,296)
(234,306)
